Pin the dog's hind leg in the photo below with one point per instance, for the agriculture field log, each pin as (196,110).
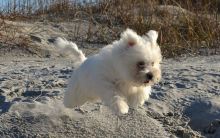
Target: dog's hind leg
(74,97)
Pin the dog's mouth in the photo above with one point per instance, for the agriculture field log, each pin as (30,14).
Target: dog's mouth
(149,82)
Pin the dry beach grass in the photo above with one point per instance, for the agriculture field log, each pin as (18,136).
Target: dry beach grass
(184,27)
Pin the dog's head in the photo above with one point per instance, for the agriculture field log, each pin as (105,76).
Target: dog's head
(138,58)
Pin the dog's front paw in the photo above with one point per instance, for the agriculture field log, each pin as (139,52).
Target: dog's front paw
(120,106)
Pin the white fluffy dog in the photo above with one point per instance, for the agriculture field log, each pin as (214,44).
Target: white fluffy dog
(121,74)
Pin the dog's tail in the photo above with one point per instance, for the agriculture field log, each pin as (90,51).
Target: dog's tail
(70,49)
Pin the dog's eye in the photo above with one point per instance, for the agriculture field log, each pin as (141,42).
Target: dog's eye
(152,63)
(141,64)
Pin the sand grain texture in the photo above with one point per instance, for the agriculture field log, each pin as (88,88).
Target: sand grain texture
(31,92)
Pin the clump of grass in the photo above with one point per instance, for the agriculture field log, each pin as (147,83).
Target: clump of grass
(11,35)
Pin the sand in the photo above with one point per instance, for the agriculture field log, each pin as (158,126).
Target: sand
(184,104)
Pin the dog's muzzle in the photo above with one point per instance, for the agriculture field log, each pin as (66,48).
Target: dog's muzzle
(148,77)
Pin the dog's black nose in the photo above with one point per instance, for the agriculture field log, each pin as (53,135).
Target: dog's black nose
(149,76)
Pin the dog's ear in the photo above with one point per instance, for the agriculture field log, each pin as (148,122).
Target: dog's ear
(129,37)
(152,35)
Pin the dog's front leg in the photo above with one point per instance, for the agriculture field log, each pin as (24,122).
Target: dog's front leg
(117,103)
(139,97)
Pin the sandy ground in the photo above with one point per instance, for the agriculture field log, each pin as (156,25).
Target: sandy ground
(186,103)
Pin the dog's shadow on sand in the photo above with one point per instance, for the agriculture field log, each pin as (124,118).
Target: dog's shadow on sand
(4,105)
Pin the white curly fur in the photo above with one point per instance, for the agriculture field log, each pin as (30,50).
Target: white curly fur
(118,74)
